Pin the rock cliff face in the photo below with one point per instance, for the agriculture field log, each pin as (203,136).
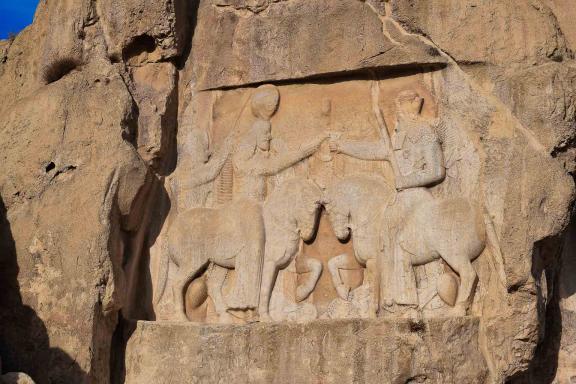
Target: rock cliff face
(118,117)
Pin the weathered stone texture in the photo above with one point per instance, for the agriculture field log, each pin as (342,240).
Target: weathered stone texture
(296,39)
(350,351)
(500,33)
(562,329)
(71,181)
(564,13)
(108,110)
(156,27)
(68,275)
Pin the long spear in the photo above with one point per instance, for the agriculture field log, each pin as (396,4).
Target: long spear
(384,134)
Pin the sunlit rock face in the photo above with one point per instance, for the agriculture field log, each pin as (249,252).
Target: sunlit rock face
(289,191)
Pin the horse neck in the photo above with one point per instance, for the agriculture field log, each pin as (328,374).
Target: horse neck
(365,216)
(276,223)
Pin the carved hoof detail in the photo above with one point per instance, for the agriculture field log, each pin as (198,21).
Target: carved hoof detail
(343,291)
(447,287)
(302,293)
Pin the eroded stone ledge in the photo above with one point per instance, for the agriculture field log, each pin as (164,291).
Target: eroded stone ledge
(299,39)
(323,351)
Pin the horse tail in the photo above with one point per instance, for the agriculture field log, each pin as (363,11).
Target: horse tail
(493,244)
(162,271)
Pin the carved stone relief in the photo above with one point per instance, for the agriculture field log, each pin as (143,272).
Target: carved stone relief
(329,204)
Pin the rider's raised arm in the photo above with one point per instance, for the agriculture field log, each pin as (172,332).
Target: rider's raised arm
(363,150)
(280,162)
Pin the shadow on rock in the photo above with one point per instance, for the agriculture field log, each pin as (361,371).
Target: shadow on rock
(24,342)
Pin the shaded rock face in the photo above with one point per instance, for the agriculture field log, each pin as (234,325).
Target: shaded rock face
(119,118)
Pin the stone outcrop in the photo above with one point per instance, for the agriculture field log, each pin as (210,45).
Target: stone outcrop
(297,39)
(123,124)
(379,352)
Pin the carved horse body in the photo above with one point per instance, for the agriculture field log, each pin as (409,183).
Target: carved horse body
(290,214)
(356,193)
(231,237)
(254,240)
(450,229)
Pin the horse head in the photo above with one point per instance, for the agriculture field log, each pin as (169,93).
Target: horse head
(350,201)
(307,209)
(338,211)
(296,204)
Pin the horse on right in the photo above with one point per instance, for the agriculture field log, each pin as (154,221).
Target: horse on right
(454,230)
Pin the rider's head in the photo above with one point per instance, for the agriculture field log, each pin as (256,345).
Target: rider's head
(409,103)
(265,101)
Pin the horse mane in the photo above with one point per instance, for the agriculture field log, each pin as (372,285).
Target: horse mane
(360,187)
(296,187)
(288,197)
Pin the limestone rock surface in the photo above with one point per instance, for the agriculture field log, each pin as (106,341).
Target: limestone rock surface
(111,111)
(298,39)
(379,352)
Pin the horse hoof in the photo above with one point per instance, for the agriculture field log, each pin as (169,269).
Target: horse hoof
(237,305)
(225,318)
(343,291)
(447,288)
(302,293)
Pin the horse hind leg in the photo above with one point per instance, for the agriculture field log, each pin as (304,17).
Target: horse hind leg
(468,280)
(334,265)
(269,275)
(315,268)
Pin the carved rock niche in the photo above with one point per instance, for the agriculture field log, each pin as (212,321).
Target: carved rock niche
(376,202)
(344,111)
(372,200)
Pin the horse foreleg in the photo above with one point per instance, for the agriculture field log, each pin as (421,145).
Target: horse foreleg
(468,280)
(269,274)
(315,268)
(334,265)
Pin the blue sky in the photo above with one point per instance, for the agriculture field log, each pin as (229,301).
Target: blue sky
(15,15)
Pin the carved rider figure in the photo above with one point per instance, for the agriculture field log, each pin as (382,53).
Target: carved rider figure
(254,160)
(415,153)
(256,157)
(205,162)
